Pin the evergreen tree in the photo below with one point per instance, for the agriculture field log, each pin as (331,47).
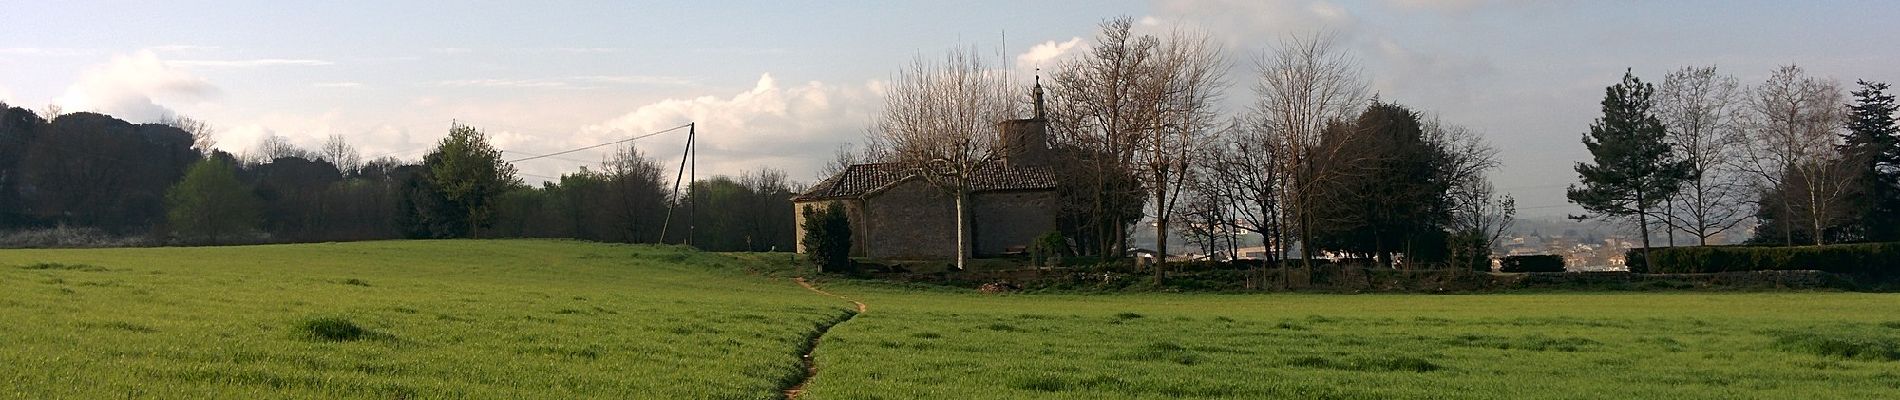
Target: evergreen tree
(210,204)
(828,237)
(469,174)
(1873,145)
(1393,201)
(1634,168)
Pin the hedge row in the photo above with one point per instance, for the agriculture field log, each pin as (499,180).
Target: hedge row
(1870,259)
(1532,263)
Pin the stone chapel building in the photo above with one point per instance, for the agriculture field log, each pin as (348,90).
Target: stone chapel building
(895,214)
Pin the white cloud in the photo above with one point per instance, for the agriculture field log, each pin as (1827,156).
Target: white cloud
(337,85)
(1047,54)
(790,127)
(251,63)
(126,87)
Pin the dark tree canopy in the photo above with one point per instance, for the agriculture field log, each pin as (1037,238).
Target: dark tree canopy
(1393,198)
(1872,144)
(89,169)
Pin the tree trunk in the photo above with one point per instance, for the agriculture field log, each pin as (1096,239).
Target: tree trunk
(1671,226)
(1161,248)
(963,233)
(1642,218)
(1814,213)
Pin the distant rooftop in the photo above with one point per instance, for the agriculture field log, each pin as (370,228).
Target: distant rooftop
(858,180)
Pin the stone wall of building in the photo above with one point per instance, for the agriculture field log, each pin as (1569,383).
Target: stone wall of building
(1012,219)
(914,221)
(911,220)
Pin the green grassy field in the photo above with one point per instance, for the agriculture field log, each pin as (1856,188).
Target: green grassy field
(1540,346)
(555,319)
(444,319)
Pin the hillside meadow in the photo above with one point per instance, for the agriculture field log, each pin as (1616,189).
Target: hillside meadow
(438,319)
(564,319)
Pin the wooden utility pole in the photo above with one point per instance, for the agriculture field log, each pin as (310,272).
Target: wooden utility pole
(689,168)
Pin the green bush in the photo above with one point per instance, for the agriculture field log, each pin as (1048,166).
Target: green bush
(331,329)
(1049,245)
(1866,259)
(828,237)
(1532,263)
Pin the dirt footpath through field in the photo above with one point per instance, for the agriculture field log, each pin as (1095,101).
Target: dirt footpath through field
(811,366)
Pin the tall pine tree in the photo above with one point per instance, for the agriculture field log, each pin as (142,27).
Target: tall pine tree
(1635,168)
(1873,145)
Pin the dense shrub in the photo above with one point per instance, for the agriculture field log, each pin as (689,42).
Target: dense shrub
(1867,259)
(331,329)
(1047,248)
(63,236)
(828,237)
(1532,263)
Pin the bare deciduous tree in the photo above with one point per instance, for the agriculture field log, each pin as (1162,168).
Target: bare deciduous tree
(1147,104)
(1096,107)
(1189,82)
(274,147)
(1702,111)
(940,119)
(1791,139)
(340,153)
(1306,84)
(200,131)
(1243,160)
(1478,213)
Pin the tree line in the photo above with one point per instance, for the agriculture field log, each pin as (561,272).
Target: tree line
(164,182)
(1701,155)
(1318,165)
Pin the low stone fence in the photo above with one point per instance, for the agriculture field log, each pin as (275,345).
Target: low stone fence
(1351,279)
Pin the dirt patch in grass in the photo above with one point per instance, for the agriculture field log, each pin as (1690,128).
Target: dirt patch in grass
(120,325)
(1532,342)
(1002,327)
(53,266)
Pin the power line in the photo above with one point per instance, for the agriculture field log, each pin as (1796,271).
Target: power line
(601,145)
(1544,206)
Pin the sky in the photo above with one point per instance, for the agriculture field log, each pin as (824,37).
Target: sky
(783,84)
